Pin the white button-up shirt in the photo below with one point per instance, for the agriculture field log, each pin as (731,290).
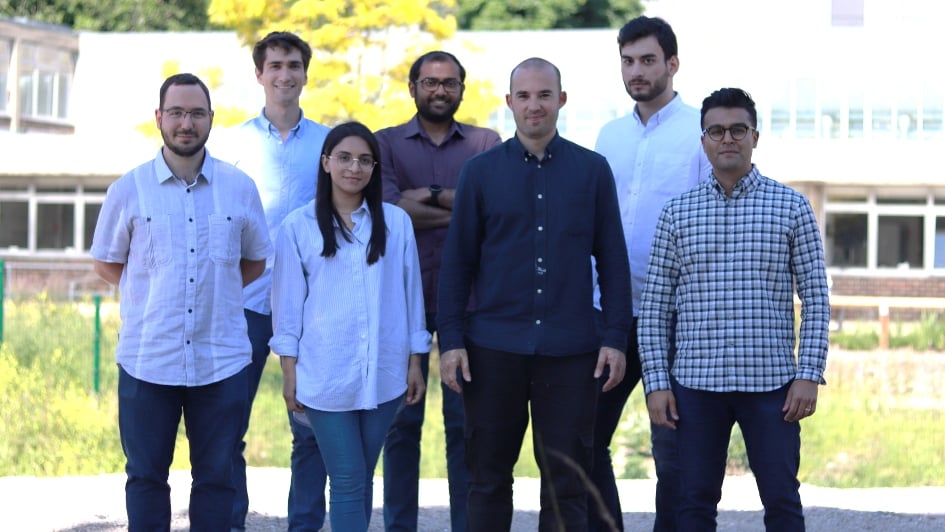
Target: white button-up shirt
(351,325)
(182,319)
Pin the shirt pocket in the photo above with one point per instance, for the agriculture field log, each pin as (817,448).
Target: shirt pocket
(151,242)
(224,242)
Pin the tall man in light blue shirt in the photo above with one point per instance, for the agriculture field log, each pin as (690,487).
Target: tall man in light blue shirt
(655,155)
(181,235)
(280,150)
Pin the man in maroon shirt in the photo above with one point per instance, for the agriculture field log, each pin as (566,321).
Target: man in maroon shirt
(420,163)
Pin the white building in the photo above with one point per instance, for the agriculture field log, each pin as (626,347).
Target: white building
(850,113)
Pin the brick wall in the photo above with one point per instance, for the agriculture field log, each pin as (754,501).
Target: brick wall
(886,285)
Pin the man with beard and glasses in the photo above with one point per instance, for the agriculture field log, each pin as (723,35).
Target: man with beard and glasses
(421,160)
(180,236)
(655,155)
(279,150)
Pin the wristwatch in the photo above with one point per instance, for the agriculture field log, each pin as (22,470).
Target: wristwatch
(435,194)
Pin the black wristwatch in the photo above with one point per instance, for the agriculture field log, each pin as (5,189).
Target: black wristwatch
(435,194)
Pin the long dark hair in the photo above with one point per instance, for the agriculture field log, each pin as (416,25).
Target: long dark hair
(328,216)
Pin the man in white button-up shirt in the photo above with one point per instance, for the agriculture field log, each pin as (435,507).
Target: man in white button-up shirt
(181,235)
(655,154)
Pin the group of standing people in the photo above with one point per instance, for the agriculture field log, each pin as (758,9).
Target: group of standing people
(555,279)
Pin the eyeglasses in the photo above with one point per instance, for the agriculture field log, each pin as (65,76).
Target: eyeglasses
(364,162)
(178,113)
(449,84)
(717,133)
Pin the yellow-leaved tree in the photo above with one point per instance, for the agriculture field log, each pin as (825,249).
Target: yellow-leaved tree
(362,52)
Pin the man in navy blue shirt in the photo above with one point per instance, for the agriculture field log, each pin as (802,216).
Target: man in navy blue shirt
(528,216)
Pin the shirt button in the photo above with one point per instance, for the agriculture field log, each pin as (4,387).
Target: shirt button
(540,196)
(537,322)
(541,228)
(539,290)
(540,259)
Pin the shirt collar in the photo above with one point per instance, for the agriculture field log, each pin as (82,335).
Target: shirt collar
(664,114)
(519,149)
(746,184)
(162,172)
(263,124)
(414,129)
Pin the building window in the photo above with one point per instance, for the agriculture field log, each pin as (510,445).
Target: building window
(939,261)
(4,68)
(45,79)
(55,223)
(846,240)
(91,217)
(14,224)
(847,12)
(899,242)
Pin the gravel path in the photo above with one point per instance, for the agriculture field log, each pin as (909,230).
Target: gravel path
(84,504)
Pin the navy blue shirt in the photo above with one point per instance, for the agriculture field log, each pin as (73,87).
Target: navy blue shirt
(522,236)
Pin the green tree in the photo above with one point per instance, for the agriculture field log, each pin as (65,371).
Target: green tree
(113,15)
(362,52)
(545,14)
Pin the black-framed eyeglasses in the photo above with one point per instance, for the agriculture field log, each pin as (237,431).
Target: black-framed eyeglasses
(717,133)
(365,162)
(178,113)
(449,84)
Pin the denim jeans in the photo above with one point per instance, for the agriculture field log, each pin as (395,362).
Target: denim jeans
(560,392)
(307,486)
(148,418)
(259,330)
(402,458)
(610,407)
(351,443)
(773,447)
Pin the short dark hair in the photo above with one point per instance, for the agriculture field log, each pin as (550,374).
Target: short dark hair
(644,26)
(281,39)
(435,56)
(327,216)
(730,98)
(182,79)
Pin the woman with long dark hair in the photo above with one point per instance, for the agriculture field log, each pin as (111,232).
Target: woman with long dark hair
(347,309)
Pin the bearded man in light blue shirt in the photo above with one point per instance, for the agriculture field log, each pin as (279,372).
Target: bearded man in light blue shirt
(655,155)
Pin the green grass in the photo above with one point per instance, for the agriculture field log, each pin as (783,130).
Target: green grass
(880,420)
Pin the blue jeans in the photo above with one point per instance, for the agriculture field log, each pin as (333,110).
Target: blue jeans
(402,458)
(148,418)
(560,393)
(307,487)
(259,330)
(772,444)
(610,407)
(351,443)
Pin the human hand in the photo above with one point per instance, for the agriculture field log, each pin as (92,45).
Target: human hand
(662,407)
(449,362)
(617,362)
(801,400)
(416,386)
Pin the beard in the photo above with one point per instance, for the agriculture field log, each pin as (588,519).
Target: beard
(656,88)
(183,150)
(425,110)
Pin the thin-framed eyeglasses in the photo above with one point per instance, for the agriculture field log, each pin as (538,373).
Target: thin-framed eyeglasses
(178,113)
(717,133)
(449,84)
(364,162)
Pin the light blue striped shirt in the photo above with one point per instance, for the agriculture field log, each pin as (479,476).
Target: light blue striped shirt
(652,163)
(181,308)
(351,325)
(730,266)
(285,172)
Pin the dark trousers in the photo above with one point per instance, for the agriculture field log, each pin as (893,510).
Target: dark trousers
(148,417)
(561,393)
(604,511)
(772,444)
(402,458)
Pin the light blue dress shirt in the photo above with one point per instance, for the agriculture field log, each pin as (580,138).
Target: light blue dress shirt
(285,172)
(181,308)
(352,325)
